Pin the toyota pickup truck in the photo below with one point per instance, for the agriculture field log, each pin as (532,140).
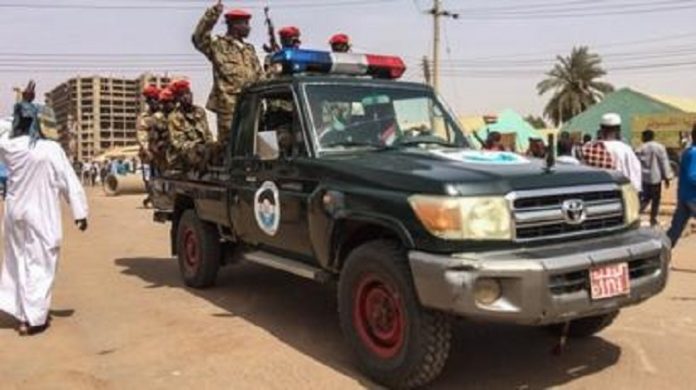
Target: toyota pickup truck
(370,183)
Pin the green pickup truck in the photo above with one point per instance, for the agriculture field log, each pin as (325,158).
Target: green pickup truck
(369,183)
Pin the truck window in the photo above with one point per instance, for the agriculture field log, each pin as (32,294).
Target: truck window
(278,123)
(355,116)
(245,124)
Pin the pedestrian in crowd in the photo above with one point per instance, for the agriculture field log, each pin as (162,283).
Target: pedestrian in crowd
(104,171)
(537,149)
(189,134)
(340,43)
(656,170)
(566,149)
(494,142)
(686,195)
(290,37)
(86,171)
(235,63)
(586,139)
(39,174)
(609,152)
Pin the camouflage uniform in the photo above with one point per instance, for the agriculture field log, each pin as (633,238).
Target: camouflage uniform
(158,141)
(235,65)
(188,138)
(143,125)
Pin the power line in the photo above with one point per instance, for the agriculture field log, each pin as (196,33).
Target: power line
(306,4)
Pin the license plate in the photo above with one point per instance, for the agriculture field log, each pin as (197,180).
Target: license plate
(610,281)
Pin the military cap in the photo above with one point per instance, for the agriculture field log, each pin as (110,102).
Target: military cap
(180,86)
(289,32)
(166,95)
(151,91)
(237,14)
(338,39)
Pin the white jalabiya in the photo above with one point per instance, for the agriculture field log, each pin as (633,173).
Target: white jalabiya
(626,162)
(38,175)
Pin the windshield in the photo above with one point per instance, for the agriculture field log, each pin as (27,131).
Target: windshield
(378,116)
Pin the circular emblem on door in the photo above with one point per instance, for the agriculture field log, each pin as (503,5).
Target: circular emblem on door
(574,211)
(267,208)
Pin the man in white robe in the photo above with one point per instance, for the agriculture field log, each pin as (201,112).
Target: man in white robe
(625,159)
(39,174)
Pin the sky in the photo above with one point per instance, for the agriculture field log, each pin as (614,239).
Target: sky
(493,55)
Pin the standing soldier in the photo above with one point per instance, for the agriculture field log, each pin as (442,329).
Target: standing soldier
(340,43)
(145,125)
(290,37)
(189,134)
(158,140)
(234,61)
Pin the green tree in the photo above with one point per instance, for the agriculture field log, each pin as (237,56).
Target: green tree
(574,81)
(537,122)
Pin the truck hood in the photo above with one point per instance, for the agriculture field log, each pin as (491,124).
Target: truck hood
(458,171)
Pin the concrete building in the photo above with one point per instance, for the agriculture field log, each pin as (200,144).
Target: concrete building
(95,114)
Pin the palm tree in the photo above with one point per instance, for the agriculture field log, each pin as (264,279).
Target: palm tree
(575,85)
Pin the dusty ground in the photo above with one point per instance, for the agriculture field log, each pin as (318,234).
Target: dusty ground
(125,321)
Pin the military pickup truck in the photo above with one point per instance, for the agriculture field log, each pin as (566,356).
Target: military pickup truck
(369,182)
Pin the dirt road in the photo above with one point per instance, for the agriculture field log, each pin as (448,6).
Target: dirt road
(123,320)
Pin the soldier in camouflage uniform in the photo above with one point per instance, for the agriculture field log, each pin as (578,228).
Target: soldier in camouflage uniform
(189,135)
(234,61)
(158,139)
(145,123)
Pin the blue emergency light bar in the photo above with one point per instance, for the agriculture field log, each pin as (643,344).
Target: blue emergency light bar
(295,61)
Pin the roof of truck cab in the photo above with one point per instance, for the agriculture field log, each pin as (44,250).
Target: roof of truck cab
(326,79)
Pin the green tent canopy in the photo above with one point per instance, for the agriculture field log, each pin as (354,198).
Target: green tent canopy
(510,122)
(625,102)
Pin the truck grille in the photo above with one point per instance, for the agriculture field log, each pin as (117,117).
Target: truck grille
(540,215)
(575,281)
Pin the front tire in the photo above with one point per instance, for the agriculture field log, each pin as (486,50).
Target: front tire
(586,327)
(398,342)
(198,248)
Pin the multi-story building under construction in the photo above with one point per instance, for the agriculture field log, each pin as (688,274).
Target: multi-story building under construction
(95,114)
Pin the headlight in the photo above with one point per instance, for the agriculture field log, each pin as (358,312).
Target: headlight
(475,218)
(631,203)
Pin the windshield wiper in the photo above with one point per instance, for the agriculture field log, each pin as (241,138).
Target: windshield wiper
(427,141)
(353,144)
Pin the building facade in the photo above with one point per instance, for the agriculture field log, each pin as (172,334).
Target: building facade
(95,114)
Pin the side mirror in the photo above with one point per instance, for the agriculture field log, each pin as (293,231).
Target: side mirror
(267,147)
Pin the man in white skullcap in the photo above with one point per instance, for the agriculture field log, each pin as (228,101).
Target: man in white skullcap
(623,156)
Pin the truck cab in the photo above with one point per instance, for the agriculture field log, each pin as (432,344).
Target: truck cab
(370,183)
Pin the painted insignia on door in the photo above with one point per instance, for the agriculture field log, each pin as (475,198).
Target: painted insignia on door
(267,208)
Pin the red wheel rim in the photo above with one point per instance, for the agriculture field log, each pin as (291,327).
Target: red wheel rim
(191,249)
(378,316)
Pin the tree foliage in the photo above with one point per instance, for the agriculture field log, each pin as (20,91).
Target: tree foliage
(575,83)
(537,122)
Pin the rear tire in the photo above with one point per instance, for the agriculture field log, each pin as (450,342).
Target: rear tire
(198,248)
(586,327)
(398,343)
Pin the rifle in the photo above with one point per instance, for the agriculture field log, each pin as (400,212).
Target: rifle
(272,45)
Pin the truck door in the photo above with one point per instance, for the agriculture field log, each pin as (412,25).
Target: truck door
(274,181)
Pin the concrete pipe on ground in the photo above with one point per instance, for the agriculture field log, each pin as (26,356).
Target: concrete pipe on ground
(115,185)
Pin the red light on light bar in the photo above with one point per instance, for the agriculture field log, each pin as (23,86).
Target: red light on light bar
(385,66)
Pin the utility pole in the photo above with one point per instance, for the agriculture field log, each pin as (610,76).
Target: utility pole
(426,70)
(438,13)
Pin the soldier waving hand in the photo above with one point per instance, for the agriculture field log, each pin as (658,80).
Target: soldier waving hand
(235,63)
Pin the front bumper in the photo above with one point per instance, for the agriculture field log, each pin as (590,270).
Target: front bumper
(542,285)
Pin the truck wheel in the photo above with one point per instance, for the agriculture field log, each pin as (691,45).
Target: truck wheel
(398,342)
(586,327)
(198,251)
